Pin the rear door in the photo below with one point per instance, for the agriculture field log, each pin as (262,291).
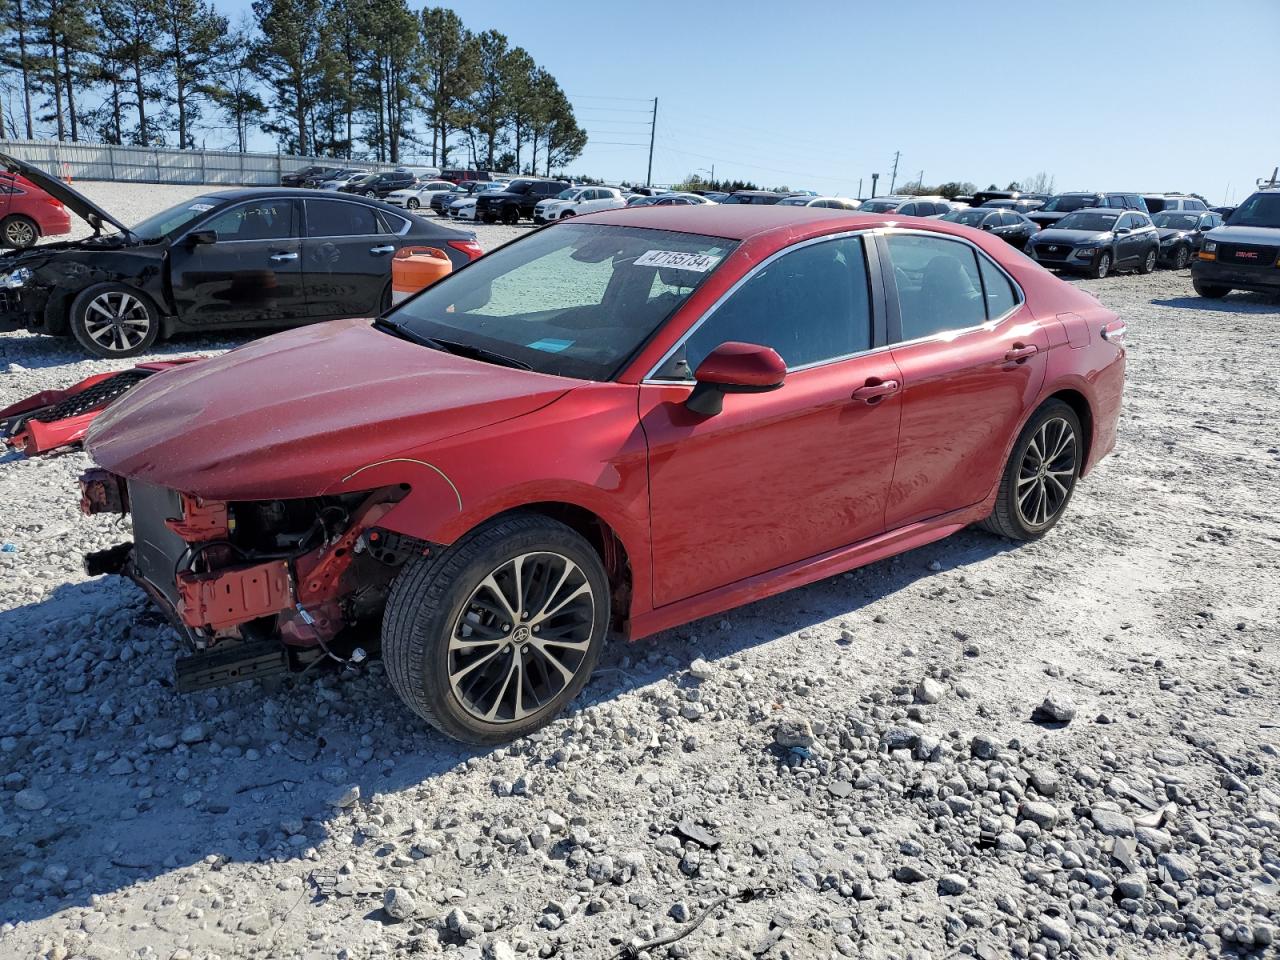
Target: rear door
(346,252)
(972,359)
(252,273)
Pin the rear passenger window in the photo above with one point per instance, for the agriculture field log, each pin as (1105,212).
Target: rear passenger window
(939,288)
(337,218)
(999,291)
(811,305)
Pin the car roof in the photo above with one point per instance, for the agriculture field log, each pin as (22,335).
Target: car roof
(744,221)
(249,193)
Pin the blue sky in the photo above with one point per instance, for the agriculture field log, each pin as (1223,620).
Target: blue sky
(1153,95)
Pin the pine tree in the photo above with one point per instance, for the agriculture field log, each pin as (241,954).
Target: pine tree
(289,62)
(449,75)
(193,40)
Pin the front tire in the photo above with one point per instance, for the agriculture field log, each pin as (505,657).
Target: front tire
(1182,257)
(1149,261)
(114,320)
(413,203)
(489,639)
(19,232)
(1102,267)
(1041,474)
(510,216)
(1210,291)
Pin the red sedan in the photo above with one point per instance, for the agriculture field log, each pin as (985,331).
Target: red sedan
(27,213)
(619,423)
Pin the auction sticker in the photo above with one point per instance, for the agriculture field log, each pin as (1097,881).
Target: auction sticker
(200,207)
(697,262)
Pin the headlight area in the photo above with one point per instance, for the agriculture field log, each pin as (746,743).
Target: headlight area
(16,279)
(255,587)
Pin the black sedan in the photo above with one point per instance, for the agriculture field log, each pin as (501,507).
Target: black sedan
(264,257)
(298,177)
(378,184)
(1180,234)
(1013,228)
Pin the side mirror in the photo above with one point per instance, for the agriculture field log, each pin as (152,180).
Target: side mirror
(1121,230)
(200,238)
(988,226)
(734,367)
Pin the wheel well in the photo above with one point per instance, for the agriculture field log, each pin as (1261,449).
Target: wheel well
(1077,402)
(603,540)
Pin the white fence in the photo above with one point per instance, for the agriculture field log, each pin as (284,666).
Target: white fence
(94,161)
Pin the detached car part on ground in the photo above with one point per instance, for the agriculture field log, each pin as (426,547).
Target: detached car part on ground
(534,451)
(262,258)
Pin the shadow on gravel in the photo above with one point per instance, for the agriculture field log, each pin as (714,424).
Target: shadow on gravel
(39,352)
(132,781)
(1232,303)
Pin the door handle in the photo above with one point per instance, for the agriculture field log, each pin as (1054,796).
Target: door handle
(873,393)
(386,248)
(283,257)
(1021,351)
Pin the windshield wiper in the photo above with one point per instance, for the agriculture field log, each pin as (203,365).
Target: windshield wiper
(480,353)
(450,346)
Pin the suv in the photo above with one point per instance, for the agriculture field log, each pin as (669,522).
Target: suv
(520,199)
(457,176)
(1244,253)
(379,184)
(1158,202)
(1061,204)
(1095,242)
(575,200)
(908,206)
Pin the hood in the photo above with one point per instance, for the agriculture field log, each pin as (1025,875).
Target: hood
(1229,234)
(1045,216)
(1168,233)
(72,199)
(293,414)
(1053,235)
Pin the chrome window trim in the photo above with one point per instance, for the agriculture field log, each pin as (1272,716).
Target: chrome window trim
(651,379)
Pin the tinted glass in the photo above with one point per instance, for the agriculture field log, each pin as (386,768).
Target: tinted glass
(1087,221)
(264,220)
(1260,210)
(333,218)
(1064,204)
(1009,219)
(810,305)
(575,301)
(1000,294)
(880,206)
(1194,204)
(939,288)
(1176,221)
(970,218)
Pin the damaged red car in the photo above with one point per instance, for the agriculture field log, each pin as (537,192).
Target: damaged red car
(614,425)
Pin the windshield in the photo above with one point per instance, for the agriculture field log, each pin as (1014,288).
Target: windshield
(175,218)
(568,194)
(880,206)
(1178,221)
(1067,204)
(576,300)
(1260,210)
(794,202)
(1094,222)
(970,218)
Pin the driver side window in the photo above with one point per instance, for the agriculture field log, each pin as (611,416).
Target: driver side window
(810,305)
(264,220)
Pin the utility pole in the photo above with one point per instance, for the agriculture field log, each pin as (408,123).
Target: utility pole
(920,182)
(653,129)
(859,186)
(875,178)
(893,180)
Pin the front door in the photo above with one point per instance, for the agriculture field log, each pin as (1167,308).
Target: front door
(778,477)
(972,359)
(346,252)
(250,274)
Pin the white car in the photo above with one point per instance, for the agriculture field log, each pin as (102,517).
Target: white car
(343,181)
(836,203)
(575,200)
(419,195)
(464,208)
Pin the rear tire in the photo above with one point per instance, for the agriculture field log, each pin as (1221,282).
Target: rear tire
(1210,291)
(510,216)
(454,642)
(1040,476)
(1102,267)
(1149,261)
(18,232)
(113,320)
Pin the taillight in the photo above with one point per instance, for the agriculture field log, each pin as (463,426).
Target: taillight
(472,249)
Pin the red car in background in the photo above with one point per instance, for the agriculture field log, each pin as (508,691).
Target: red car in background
(623,422)
(27,213)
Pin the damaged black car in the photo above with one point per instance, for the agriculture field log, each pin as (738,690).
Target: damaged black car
(244,258)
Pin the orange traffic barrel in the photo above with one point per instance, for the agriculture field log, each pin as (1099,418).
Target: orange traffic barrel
(416,268)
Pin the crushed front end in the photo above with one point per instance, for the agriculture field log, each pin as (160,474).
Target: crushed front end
(254,587)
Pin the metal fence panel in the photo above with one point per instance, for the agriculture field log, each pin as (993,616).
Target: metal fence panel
(101,161)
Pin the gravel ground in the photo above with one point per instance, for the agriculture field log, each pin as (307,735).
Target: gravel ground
(868,748)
